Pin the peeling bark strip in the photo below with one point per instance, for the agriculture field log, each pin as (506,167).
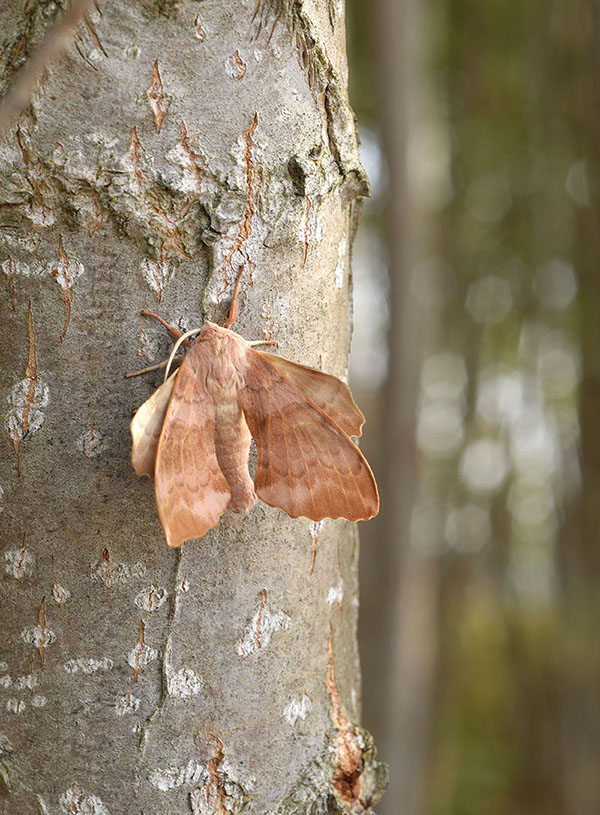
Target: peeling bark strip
(157,97)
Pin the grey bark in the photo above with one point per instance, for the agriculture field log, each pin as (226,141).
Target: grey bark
(173,143)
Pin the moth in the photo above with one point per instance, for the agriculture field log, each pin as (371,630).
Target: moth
(193,437)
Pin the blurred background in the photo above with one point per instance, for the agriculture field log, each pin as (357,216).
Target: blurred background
(476,358)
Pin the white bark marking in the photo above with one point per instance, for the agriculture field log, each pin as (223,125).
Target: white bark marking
(28,681)
(336,593)
(3,666)
(127,704)
(168,778)
(5,681)
(113,574)
(40,636)
(157,274)
(87,666)
(42,805)
(199,29)
(91,443)
(20,562)
(184,682)
(188,155)
(22,410)
(263,624)
(297,710)
(221,793)
(16,268)
(76,801)
(151,598)
(66,271)
(15,705)
(38,700)
(60,594)
(148,348)
(141,655)
(236,66)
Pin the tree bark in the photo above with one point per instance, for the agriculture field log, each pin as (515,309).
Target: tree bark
(170,145)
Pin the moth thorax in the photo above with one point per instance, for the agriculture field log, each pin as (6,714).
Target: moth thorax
(223,380)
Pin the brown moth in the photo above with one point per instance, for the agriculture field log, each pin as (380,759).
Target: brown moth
(193,436)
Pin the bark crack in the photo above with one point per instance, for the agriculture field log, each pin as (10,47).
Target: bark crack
(177,583)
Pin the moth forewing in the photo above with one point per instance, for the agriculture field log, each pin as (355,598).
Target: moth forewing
(191,491)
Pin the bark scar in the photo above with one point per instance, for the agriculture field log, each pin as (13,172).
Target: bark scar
(157,97)
(135,163)
(347,775)
(245,227)
(194,174)
(240,64)
(65,272)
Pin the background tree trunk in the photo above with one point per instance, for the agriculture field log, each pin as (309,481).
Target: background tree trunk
(172,144)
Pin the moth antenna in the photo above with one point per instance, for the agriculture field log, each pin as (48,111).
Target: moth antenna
(262,342)
(173,332)
(181,340)
(233,308)
(151,368)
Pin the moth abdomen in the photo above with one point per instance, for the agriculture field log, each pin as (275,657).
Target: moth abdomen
(232,446)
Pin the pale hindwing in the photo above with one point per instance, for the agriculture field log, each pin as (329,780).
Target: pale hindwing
(327,392)
(146,426)
(306,464)
(191,491)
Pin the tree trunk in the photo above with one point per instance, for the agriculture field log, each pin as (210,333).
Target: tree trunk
(172,144)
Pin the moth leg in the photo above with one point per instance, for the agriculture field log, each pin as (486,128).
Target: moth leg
(233,308)
(156,367)
(262,342)
(173,332)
